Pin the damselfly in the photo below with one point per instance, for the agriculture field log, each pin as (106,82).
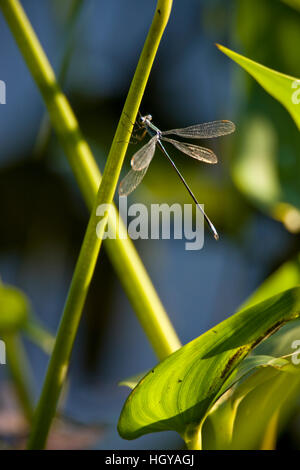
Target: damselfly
(142,158)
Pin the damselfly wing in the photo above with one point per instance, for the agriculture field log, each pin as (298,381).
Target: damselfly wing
(142,158)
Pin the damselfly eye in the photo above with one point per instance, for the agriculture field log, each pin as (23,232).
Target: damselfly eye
(149,117)
(142,119)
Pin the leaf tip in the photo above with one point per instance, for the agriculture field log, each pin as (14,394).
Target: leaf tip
(220,47)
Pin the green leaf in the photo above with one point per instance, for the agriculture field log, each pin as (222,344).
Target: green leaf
(259,379)
(220,427)
(293,3)
(248,394)
(178,393)
(247,365)
(255,169)
(284,88)
(285,277)
(14,309)
(246,410)
(265,167)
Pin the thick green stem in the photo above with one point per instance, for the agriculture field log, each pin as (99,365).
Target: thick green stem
(121,251)
(66,124)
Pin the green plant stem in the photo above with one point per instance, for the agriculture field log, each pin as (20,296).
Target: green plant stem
(44,132)
(19,369)
(39,336)
(269,439)
(121,251)
(59,361)
(193,437)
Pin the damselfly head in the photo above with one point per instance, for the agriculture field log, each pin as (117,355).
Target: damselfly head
(146,118)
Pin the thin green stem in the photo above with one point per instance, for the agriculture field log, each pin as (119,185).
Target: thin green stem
(44,132)
(39,335)
(193,436)
(270,436)
(121,251)
(20,372)
(66,125)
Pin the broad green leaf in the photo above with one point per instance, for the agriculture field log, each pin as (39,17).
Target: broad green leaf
(241,416)
(220,423)
(266,165)
(178,392)
(276,396)
(285,277)
(255,361)
(14,309)
(247,365)
(250,407)
(222,416)
(277,352)
(284,88)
